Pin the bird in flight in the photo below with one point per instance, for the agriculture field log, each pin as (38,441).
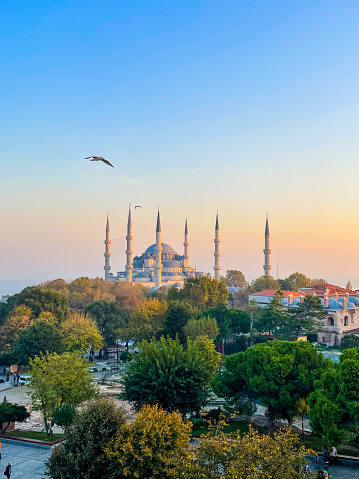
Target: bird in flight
(137,207)
(99,158)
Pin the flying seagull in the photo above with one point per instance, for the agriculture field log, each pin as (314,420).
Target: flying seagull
(137,207)
(99,158)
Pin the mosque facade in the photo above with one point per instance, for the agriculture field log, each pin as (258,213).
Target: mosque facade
(160,264)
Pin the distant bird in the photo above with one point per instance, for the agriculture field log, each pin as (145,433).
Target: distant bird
(99,158)
(137,207)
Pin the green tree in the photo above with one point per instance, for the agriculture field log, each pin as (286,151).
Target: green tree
(235,278)
(273,315)
(349,341)
(177,316)
(82,454)
(39,338)
(231,322)
(147,321)
(10,412)
(64,415)
(109,316)
(306,318)
(39,300)
(278,373)
(166,374)
(203,293)
(334,405)
(204,326)
(56,380)
(155,445)
(252,455)
(80,333)
(265,282)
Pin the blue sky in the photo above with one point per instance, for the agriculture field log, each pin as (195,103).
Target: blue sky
(240,106)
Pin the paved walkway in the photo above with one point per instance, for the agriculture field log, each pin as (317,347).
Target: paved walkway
(27,460)
(344,469)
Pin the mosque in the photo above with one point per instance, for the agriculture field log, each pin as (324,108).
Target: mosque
(160,265)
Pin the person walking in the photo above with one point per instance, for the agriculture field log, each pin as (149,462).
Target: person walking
(7,472)
(325,455)
(4,371)
(334,455)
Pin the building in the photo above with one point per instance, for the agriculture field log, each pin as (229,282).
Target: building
(160,264)
(340,304)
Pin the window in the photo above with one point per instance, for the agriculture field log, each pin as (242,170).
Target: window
(330,321)
(346,321)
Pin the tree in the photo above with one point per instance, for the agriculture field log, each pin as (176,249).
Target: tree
(349,341)
(109,316)
(265,282)
(278,373)
(155,445)
(39,300)
(252,455)
(273,315)
(64,415)
(39,338)
(203,293)
(56,380)
(80,333)
(166,374)
(306,318)
(235,278)
(231,322)
(297,281)
(20,318)
(334,405)
(10,413)
(204,326)
(82,454)
(177,316)
(147,321)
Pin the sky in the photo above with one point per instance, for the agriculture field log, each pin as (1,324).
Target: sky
(244,107)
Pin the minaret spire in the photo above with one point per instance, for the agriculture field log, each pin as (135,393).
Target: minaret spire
(217,254)
(267,251)
(129,251)
(158,253)
(186,245)
(107,254)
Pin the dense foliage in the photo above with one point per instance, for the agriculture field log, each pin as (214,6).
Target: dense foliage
(166,374)
(10,412)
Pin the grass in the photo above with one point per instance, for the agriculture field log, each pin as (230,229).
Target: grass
(40,436)
(310,442)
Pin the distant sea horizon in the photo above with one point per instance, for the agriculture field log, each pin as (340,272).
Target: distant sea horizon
(12,286)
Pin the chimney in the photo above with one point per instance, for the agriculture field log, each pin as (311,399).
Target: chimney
(327,292)
(301,298)
(326,301)
(290,299)
(336,296)
(344,303)
(346,295)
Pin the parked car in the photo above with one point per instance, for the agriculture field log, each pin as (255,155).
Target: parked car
(24,380)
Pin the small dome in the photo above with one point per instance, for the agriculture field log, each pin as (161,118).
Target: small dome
(350,305)
(142,274)
(137,264)
(166,249)
(171,264)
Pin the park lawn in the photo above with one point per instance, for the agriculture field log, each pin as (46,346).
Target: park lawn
(310,442)
(40,436)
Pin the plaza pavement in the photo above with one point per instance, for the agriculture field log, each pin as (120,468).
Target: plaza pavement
(344,469)
(27,460)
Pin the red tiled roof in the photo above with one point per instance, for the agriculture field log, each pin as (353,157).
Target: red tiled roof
(352,331)
(272,292)
(319,289)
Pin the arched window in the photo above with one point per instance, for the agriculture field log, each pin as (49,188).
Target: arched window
(346,321)
(330,321)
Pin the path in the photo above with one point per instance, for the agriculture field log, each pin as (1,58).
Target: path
(27,460)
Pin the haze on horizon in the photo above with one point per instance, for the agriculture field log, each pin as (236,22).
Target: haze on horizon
(244,107)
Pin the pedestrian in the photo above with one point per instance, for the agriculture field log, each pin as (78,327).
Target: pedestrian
(325,473)
(4,371)
(320,474)
(0,451)
(7,472)
(335,455)
(325,455)
(4,400)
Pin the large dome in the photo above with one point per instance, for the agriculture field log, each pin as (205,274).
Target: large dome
(166,249)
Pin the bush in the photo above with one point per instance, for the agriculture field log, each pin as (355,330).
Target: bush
(125,356)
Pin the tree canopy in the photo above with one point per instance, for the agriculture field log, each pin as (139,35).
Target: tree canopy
(82,454)
(204,326)
(235,278)
(229,321)
(265,282)
(10,412)
(80,333)
(177,316)
(166,374)
(279,373)
(109,316)
(203,293)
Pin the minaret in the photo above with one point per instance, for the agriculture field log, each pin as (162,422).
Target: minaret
(129,251)
(186,245)
(107,251)
(267,251)
(158,251)
(217,254)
